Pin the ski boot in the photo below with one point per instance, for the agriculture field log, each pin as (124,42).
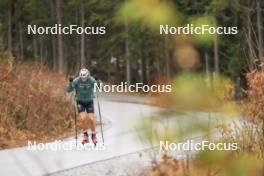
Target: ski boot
(85,138)
(94,139)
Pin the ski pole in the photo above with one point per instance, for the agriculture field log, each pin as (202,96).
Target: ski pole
(75,122)
(101,125)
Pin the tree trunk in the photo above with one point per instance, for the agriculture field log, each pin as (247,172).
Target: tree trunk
(83,63)
(60,37)
(54,53)
(206,64)
(144,69)
(158,59)
(260,34)
(249,40)
(167,57)
(128,67)
(21,43)
(216,56)
(159,70)
(41,51)
(35,48)
(9,27)
(53,39)
(46,52)
(143,56)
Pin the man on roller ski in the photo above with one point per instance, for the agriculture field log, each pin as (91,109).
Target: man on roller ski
(84,88)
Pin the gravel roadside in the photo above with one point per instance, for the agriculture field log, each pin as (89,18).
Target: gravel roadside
(126,165)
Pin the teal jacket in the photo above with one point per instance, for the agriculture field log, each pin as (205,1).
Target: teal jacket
(84,90)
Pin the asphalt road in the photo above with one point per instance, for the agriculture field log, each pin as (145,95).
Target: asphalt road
(121,133)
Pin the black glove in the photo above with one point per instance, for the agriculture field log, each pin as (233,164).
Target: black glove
(71,79)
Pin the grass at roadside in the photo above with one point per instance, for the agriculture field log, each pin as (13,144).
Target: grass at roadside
(33,104)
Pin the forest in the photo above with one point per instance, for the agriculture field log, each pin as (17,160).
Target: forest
(132,48)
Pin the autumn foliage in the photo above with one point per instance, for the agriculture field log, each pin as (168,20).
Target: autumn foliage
(254,103)
(33,105)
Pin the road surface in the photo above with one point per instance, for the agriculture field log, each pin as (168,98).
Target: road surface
(121,133)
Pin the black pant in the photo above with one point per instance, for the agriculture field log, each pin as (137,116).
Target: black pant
(85,106)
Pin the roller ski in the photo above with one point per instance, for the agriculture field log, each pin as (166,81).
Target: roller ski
(94,139)
(85,138)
